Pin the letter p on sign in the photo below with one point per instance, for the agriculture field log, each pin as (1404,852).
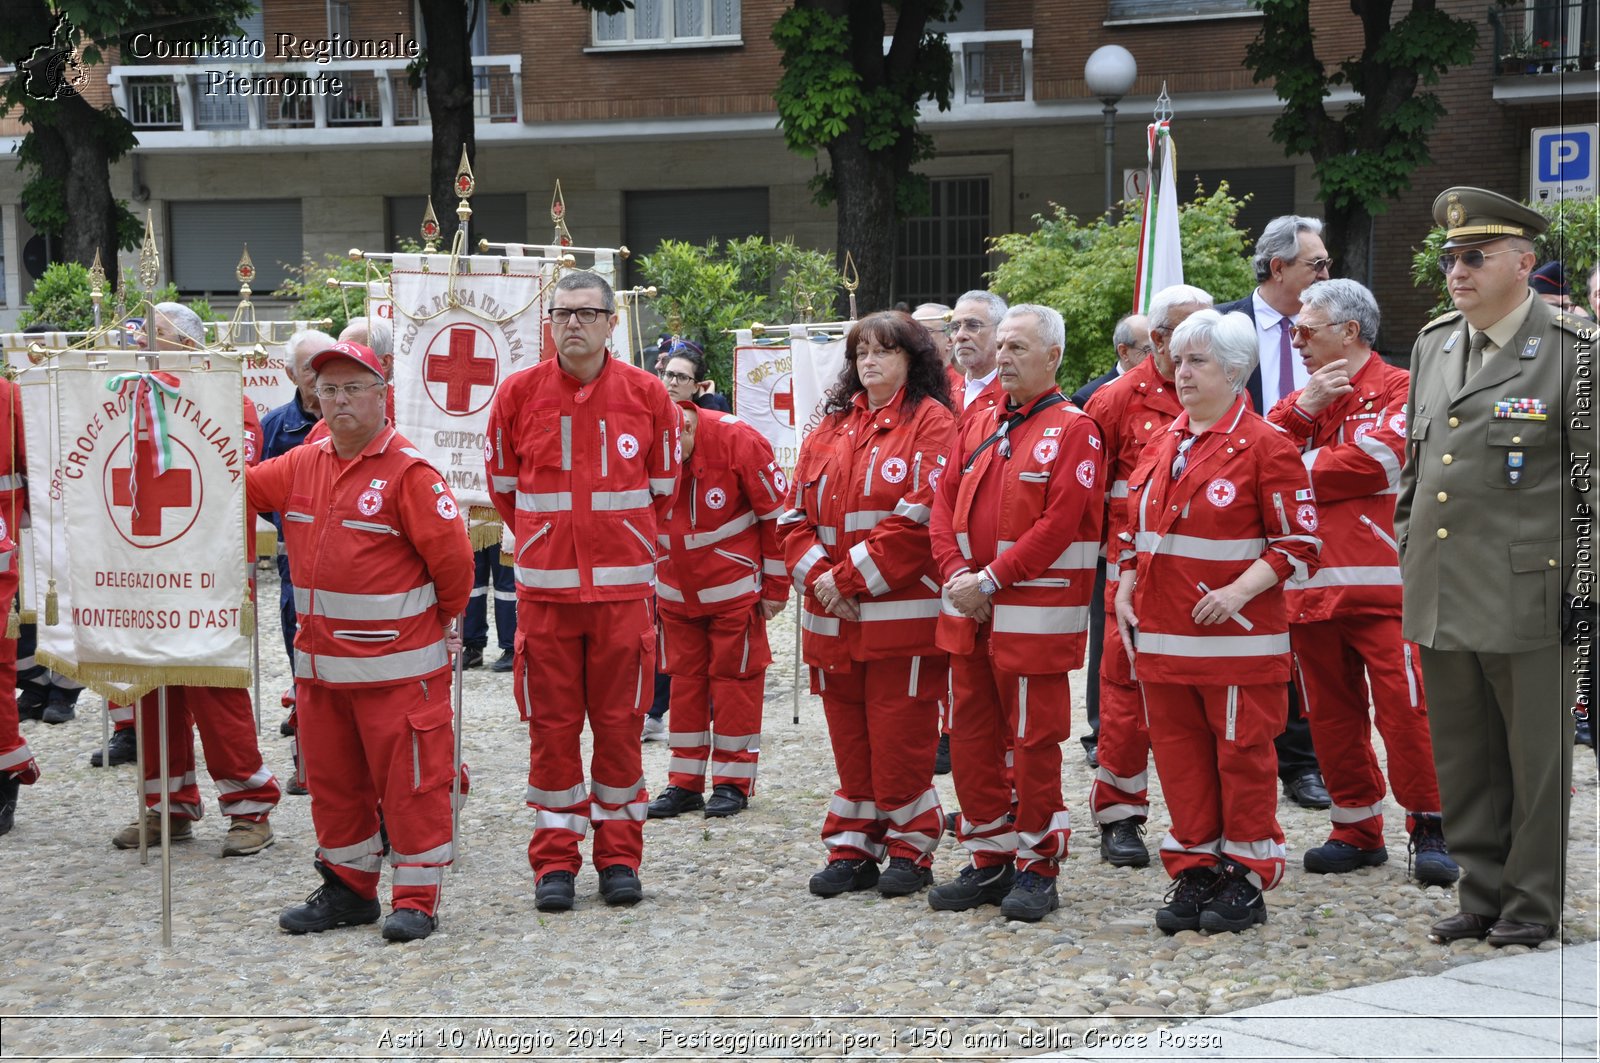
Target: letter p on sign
(1563,162)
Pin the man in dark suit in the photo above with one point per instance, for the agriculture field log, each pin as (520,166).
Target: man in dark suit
(1289,258)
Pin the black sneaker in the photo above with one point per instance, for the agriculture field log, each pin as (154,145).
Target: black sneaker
(1191,892)
(726,800)
(63,706)
(472,657)
(941,756)
(1334,857)
(31,704)
(124,749)
(1238,905)
(408,924)
(973,887)
(1032,897)
(844,876)
(1122,844)
(10,787)
(674,801)
(504,662)
(619,884)
(331,904)
(1429,858)
(554,892)
(903,876)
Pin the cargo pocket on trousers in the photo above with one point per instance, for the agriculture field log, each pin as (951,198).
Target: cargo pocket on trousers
(432,746)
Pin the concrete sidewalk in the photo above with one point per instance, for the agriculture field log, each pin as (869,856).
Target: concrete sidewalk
(1535,1006)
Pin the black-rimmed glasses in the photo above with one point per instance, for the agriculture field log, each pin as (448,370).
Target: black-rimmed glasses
(587,315)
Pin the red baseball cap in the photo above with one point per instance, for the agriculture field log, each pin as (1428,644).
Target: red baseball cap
(362,356)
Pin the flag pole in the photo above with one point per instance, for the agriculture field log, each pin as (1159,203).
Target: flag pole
(465,185)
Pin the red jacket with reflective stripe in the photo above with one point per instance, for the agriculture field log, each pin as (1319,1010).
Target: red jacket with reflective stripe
(991,396)
(1131,411)
(1244,495)
(13,462)
(582,472)
(720,542)
(1354,449)
(1052,497)
(379,556)
(859,507)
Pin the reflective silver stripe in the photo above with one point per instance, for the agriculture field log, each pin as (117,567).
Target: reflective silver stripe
(1411,675)
(566,444)
(865,519)
(152,787)
(635,811)
(687,765)
(985,828)
(1200,549)
(917,609)
(846,809)
(916,673)
(667,592)
(733,769)
(1112,813)
(369,526)
(854,839)
(742,585)
(868,568)
(345,854)
(615,795)
(1354,814)
(773,566)
(791,516)
(1352,576)
(827,536)
(1378,452)
(1211,645)
(576,822)
(544,501)
(1040,619)
(299,518)
(1128,784)
(664,541)
(964,542)
(1044,581)
(411,875)
(819,625)
(1297,567)
(16,758)
(1263,850)
(573,795)
(1233,714)
(802,568)
(912,511)
(1022,708)
(687,739)
(1028,841)
(504,485)
(437,855)
(696,540)
(624,575)
(548,579)
(662,485)
(338,605)
(262,776)
(244,808)
(1078,555)
(993,843)
(612,501)
(391,667)
(1119,489)
(737,743)
(926,801)
(1169,844)
(12,482)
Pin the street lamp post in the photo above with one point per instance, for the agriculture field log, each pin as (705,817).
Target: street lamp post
(1109,74)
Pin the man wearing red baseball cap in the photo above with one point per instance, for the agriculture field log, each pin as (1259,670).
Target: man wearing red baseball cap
(381,566)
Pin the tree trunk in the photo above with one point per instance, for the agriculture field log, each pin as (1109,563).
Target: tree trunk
(450,104)
(865,184)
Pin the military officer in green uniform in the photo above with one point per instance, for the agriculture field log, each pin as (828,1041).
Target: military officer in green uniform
(1488,553)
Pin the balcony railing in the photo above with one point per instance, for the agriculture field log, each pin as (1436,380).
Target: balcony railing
(217,96)
(1544,37)
(990,67)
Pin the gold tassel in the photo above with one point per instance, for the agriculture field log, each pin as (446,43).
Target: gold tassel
(247,615)
(52,605)
(13,622)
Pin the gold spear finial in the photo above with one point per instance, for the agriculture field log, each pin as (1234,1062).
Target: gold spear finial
(430,228)
(852,281)
(465,185)
(149,257)
(246,272)
(97,278)
(558,217)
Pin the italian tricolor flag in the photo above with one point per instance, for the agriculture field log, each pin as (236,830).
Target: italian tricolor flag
(1160,250)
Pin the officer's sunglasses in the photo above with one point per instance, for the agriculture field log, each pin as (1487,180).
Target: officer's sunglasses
(1471,259)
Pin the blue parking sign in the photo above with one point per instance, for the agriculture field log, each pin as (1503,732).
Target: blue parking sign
(1563,162)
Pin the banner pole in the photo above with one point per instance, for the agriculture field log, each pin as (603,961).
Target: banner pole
(166,824)
(255,631)
(799,605)
(455,781)
(139,752)
(105,739)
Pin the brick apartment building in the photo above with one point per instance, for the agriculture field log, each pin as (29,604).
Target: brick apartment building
(660,123)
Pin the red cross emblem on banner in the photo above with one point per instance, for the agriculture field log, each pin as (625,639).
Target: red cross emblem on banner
(783,399)
(139,510)
(460,368)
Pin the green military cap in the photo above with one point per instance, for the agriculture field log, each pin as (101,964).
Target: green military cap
(1473,215)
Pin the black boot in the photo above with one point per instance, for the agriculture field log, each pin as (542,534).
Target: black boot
(10,785)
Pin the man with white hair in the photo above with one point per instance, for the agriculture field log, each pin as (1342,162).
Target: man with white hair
(974,324)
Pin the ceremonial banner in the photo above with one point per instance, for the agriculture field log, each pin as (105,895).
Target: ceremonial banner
(1160,249)
(267,384)
(452,347)
(152,485)
(818,361)
(763,392)
(379,305)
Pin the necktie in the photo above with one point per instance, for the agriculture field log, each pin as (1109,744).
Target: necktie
(1480,340)
(1285,359)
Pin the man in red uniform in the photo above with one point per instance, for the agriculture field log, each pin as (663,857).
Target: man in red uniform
(721,578)
(248,789)
(1015,531)
(583,463)
(1131,410)
(17,766)
(381,568)
(1344,622)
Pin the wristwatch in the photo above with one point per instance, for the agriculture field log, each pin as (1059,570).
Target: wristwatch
(986,583)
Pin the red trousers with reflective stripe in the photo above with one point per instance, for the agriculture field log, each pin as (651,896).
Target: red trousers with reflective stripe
(883,722)
(578,661)
(1033,713)
(15,757)
(1334,662)
(718,666)
(394,747)
(1219,773)
(222,715)
(1121,787)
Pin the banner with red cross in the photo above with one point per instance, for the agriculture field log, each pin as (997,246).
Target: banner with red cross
(818,362)
(151,475)
(457,335)
(763,392)
(267,380)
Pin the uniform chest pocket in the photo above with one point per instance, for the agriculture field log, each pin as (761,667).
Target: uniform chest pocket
(1041,477)
(624,442)
(549,444)
(1518,453)
(299,509)
(1419,428)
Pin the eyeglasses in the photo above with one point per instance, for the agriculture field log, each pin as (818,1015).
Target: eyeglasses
(1304,333)
(1181,462)
(674,377)
(1471,259)
(349,391)
(587,315)
(971,324)
(1317,264)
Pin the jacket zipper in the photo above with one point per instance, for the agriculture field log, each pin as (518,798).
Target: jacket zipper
(1411,675)
(872,462)
(1233,713)
(694,497)
(1372,526)
(604,449)
(535,537)
(916,472)
(636,534)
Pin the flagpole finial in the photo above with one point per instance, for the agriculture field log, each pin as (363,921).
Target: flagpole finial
(558,217)
(149,257)
(1163,111)
(246,272)
(430,228)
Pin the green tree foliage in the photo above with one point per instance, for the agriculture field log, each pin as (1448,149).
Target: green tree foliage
(1573,239)
(704,290)
(1087,271)
(306,287)
(1366,153)
(61,298)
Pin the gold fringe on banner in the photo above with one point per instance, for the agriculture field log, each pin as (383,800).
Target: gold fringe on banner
(120,693)
(146,678)
(13,622)
(508,560)
(483,526)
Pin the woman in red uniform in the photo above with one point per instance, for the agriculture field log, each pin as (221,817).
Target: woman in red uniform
(1220,514)
(856,542)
